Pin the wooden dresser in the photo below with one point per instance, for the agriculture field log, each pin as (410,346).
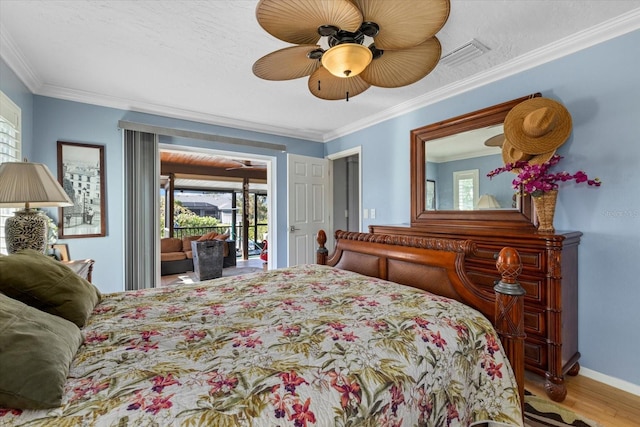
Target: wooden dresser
(550,277)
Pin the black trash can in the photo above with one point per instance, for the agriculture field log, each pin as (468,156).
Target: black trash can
(207,259)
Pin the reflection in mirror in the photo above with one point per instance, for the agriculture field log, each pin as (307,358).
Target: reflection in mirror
(430,200)
(470,146)
(458,165)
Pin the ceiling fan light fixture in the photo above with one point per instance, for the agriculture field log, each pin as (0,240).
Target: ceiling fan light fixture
(347,59)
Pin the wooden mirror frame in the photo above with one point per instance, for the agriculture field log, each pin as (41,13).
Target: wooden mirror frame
(521,218)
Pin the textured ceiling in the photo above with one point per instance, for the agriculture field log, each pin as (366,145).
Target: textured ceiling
(193,59)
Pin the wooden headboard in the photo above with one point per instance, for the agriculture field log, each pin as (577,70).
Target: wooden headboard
(437,266)
(433,265)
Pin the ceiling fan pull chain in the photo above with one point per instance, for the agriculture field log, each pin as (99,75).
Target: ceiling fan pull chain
(318,85)
(347,96)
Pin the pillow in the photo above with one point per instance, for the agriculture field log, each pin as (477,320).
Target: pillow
(36,349)
(48,285)
(170,244)
(186,242)
(208,236)
(221,237)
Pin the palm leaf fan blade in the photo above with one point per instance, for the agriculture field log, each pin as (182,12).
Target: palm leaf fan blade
(325,85)
(297,22)
(287,64)
(396,68)
(405,23)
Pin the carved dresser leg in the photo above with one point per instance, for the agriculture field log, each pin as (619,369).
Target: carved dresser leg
(575,369)
(555,387)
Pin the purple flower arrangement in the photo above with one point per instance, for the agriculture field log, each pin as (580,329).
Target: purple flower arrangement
(535,179)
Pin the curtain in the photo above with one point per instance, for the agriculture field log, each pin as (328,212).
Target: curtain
(142,220)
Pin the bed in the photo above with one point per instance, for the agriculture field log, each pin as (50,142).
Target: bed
(336,343)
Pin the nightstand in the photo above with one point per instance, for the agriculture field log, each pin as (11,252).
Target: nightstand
(83,267)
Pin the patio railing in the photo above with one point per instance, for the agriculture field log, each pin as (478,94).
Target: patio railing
(181,232)
(254,245)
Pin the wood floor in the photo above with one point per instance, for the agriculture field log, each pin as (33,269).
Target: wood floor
(594,400)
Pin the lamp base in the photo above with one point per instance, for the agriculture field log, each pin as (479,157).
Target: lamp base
(26,230)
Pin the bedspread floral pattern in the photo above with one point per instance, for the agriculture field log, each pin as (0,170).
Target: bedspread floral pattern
(304,346)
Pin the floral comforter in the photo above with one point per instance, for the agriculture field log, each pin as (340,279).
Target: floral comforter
(303,346)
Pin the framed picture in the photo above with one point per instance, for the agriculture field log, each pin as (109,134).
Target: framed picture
(81,174)
(430,196)
(61,252)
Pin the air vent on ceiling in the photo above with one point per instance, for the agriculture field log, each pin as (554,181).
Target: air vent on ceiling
(464,53)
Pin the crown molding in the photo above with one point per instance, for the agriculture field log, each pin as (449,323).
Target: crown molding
(176,113)
(17,62)
(579,41)
(598,34)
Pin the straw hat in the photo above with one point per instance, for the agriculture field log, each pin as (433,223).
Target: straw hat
(537,125)
(495,141)
(511,154)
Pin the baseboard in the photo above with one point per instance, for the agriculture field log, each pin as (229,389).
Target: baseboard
(612,381)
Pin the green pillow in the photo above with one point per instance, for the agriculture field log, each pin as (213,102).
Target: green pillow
(36,350)
(49,285)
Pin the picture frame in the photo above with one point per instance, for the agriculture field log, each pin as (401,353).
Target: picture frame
(430,196)
(81,174)
(61,252)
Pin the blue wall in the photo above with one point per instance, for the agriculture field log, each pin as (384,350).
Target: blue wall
(75,122)
(601,89)
(48,120)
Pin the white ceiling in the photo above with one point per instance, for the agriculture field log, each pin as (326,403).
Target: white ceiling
(192,59)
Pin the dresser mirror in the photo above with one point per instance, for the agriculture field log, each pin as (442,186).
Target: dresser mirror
(440,167)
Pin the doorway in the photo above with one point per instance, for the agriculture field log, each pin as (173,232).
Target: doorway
(203,174)
(347,189)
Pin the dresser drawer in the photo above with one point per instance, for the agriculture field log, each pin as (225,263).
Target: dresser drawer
(536,292)
(534,300)
(535,321)
(535,354)
(532,259)
(549,276)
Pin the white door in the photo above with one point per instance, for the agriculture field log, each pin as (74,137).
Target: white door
(308,211)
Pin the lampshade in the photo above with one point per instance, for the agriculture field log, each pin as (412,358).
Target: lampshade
(347,59)
(488,201)
(28,185)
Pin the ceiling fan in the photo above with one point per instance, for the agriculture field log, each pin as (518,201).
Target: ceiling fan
(404,48)
(246,164)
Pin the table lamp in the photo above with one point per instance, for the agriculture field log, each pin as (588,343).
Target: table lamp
(28,185)
(488,201)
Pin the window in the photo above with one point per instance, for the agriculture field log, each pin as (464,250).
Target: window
(465,189)
(10,149)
